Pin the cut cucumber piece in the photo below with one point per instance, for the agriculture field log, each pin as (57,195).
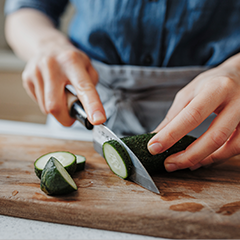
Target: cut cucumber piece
(67,159)
(117,158)
(55,180)
(80,162)
(138,144)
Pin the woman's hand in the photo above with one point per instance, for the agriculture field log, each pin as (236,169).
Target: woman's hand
(53,62)
(216,90)
(47,74)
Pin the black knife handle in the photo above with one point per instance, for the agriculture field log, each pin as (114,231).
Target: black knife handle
(76,110)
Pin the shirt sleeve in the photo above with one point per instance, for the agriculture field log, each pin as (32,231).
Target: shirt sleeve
(52,8)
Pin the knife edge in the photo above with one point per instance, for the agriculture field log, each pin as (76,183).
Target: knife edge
(139,174)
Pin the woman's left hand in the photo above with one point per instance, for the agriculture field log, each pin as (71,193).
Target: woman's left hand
(216,90)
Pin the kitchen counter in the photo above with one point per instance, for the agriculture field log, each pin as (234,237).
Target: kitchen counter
(17,228)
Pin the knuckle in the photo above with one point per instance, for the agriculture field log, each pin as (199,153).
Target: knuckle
(25,75)
(179,95)
(224,86)
(26,79)
(172,137)
(219,137)
(226,82)
(84,86)
(193,116)
(72,56)
(189,161)
(75,57)
(52,107)
(47,61)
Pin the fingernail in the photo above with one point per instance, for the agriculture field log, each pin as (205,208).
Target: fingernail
(195,167)
(98,117)
(170,167)
(155,148)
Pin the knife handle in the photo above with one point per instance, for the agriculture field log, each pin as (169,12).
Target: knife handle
(76,109)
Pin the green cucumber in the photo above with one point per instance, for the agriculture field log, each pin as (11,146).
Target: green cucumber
(80,162)
(67,159)
(138,144)
(117,158)
(55,180)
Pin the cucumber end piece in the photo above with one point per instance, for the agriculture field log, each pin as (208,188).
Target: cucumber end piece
(55,180)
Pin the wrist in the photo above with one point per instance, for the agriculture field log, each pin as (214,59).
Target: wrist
(53,43)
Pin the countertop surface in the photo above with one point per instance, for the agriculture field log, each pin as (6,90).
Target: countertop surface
(17,228)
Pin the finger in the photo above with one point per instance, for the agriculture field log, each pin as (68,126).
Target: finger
(230,149)
(29,87)
(33,83)
(86,91)
(180,101)
(54,91)
(39,90)
(218,133)
(93,74)
(188,119)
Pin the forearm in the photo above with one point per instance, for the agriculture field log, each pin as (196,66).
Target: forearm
(29,31)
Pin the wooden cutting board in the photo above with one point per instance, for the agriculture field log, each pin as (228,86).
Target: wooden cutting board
(201,204)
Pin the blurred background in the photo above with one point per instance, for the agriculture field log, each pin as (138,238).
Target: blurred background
(15,104)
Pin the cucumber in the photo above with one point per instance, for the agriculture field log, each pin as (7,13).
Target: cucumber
(117,158)
(80,163)
(138,144)
(67,159)
(55,180)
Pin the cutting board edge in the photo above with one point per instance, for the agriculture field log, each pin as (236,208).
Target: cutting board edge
(155,227)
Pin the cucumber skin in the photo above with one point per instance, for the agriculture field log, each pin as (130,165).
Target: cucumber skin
(80,165)
(52,182)
(154,163)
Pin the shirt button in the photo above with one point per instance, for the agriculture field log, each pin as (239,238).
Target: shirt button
(147,60)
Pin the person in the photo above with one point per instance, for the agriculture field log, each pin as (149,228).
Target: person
(125,57)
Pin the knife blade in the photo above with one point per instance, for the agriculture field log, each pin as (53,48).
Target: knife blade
(101,134)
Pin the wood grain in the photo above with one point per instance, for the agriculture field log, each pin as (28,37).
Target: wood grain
(201,204)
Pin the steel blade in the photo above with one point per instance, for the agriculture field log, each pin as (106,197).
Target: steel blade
(139,174)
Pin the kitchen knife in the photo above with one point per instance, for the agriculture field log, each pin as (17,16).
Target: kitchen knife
(102,134)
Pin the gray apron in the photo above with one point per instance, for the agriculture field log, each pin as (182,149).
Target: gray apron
(136,99)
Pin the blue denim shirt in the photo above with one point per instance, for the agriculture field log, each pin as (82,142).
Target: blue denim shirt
(162,33)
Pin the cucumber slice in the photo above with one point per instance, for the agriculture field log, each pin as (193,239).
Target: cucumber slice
(117,158)
(55,180)
(80,162)
(67,159)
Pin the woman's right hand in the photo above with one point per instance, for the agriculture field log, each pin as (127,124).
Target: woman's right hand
(52,63)
(46,75)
